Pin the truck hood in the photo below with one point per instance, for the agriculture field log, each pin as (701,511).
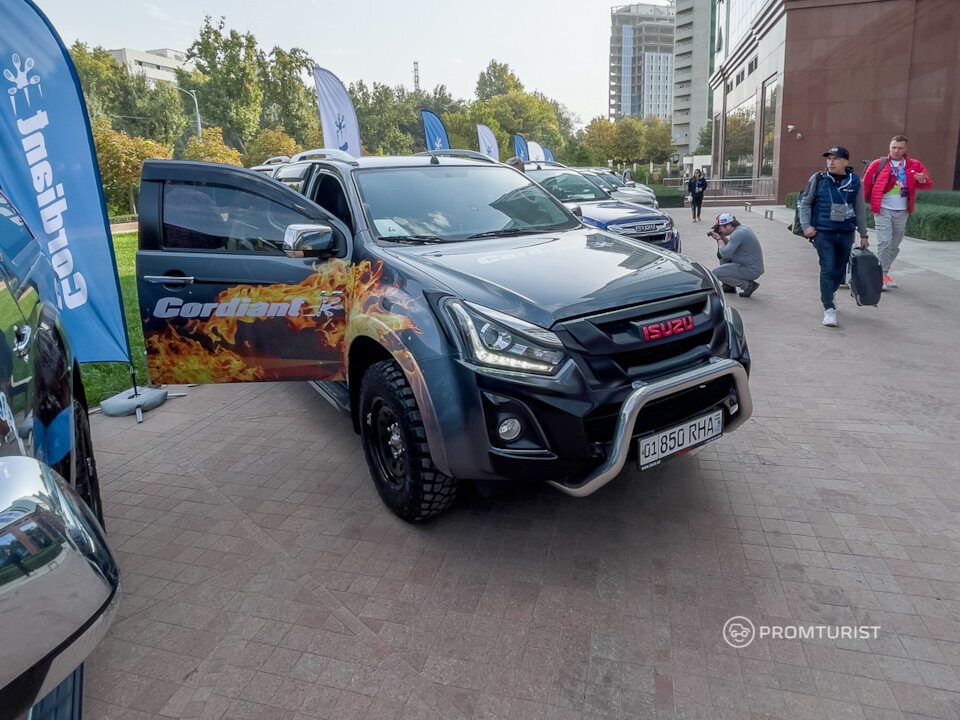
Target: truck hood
(551,277)
(604,212)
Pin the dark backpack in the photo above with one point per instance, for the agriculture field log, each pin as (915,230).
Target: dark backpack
(795,227)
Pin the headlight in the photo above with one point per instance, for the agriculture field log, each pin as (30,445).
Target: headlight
(492,338)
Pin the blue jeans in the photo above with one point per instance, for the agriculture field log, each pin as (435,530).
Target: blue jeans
(834,252)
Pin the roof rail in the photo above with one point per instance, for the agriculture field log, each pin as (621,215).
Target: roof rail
(331,153)
(454,152)
(275,160)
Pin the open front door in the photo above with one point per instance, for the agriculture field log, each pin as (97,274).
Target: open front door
(220,299)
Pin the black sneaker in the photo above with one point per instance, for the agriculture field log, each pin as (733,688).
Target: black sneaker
(750,289)
(729,288)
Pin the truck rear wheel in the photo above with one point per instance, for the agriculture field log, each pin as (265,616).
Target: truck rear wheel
(395,445)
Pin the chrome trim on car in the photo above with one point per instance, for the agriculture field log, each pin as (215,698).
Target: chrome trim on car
(644,393)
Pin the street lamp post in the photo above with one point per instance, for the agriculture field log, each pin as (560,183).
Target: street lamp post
(193,94)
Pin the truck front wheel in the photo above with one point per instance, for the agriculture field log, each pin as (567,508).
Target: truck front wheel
(395,445)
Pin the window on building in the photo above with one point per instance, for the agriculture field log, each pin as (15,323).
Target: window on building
(738,140)
(771,92)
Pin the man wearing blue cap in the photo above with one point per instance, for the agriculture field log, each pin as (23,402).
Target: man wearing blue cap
(740,255)
(831,208)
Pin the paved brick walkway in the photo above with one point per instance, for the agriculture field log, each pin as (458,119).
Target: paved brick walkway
(264,578)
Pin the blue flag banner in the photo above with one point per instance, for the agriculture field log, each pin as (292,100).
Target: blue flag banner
(434,132)
(548,155)
(520,148)
(488,142)
(535,151)
(49,172)
(338,119)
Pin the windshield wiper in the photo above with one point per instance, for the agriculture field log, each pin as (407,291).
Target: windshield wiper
(505,233)
(414,239)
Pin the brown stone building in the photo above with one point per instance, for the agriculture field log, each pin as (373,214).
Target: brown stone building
(795,77)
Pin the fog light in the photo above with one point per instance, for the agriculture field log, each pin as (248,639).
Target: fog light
(509,429)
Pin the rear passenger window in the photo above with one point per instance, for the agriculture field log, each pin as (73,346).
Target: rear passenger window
(198,216)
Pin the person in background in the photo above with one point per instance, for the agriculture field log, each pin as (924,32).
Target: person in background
(516,163)
(740,254)
(890,185)
(831,208)
(695,189)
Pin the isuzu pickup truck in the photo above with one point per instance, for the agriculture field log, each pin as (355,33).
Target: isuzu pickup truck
(471,325)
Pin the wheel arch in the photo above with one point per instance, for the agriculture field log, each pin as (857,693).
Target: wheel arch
(366,351)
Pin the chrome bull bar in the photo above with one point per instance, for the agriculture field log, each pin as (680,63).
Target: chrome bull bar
(644,393)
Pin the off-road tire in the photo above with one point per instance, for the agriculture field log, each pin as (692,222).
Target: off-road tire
(395,446)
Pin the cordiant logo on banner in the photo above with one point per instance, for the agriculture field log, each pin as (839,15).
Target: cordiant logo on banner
(51,197)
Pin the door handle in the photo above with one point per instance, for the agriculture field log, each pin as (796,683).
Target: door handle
(168,279)
(22,336)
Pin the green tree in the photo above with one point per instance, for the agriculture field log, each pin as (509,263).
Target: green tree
(211,148)
(379,116)
(99,75)
(497,79)
(516,112)
(227,80)
(658,139)
(128,100)
(631,140)
(286,100)
(601,135)
(120,158)
(705,139)
(269,143)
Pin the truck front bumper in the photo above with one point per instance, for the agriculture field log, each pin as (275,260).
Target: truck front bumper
(644,393)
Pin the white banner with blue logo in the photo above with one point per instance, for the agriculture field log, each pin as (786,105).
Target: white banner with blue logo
(488,142)
(434,132)
(338,119)
(535,151)
(520,148)
(548,156)
(49,172)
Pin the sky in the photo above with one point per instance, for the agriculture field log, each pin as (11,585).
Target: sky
(560,48)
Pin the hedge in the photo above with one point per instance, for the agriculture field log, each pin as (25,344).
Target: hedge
(119,219)
(936,218)
(944,198)
(668,197)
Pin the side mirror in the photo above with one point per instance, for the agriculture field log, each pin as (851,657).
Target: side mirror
(578,211)
(303,240)
(59,583)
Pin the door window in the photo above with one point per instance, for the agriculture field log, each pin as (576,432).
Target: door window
(217,218)
(332,198)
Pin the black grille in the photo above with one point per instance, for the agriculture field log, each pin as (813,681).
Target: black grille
(612,345)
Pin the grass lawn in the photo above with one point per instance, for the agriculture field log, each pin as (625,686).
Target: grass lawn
(103,380)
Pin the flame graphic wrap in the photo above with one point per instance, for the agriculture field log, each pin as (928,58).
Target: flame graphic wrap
(279,332)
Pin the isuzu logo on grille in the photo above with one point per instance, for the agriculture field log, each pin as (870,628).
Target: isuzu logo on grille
(665,328)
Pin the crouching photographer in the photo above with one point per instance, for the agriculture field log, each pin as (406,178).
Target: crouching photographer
(740,256)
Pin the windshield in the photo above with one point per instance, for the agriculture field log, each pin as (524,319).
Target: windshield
(598,180)
(611,178)
(568,186)
(438,203)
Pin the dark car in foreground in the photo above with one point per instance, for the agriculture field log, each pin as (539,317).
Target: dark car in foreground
(59,584)
(600,210)
(472,327)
